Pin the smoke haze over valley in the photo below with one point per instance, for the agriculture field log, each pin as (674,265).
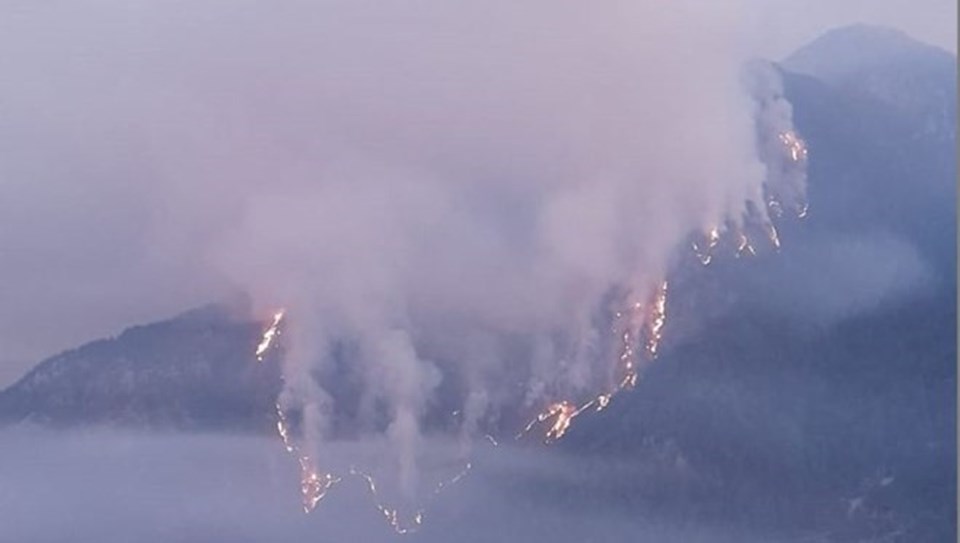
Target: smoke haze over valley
(487,272)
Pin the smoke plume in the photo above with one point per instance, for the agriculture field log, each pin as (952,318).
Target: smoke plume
(450,200)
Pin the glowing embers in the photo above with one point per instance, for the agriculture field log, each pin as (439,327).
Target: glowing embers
(737,239)
(637,326)
(641,325)
(403,524)
(743,246)
(269,335)
(314,484)
(390,514)
(795,147)
(561,413)
(773,235)
(657,317)
(790,191)
(640,329)
(704,249)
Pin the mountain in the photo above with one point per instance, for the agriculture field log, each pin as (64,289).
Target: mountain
(820,401)
(193,372)
(886,65)
(879,112)
(817,398)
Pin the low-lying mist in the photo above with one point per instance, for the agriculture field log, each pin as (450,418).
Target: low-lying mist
(101,486)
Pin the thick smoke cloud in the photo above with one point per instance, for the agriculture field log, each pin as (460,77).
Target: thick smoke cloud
(138,136)
(448,194)
(86,249)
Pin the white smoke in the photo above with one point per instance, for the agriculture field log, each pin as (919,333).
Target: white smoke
(786,177)
(444,196)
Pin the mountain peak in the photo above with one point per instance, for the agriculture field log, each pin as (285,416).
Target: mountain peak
(856,48)
(918,81)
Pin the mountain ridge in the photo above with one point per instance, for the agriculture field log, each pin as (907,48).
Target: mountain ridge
(844,191)
(779,400)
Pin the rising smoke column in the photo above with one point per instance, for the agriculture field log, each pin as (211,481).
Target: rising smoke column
(468,210)
(568,370)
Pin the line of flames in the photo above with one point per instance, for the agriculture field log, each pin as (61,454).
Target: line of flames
(314,483)
(639,327)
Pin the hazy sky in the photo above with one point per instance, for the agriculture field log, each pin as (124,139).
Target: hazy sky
(789,24)
(81,253)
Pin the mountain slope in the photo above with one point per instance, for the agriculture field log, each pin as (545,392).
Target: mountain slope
(875,186)
(810,392)
(820,402)
(195,371)
(916,79)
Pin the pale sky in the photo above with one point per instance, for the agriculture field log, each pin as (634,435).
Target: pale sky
(789,24)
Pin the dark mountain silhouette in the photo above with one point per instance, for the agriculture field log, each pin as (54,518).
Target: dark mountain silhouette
(195,371)
(811,403)
(886,65)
